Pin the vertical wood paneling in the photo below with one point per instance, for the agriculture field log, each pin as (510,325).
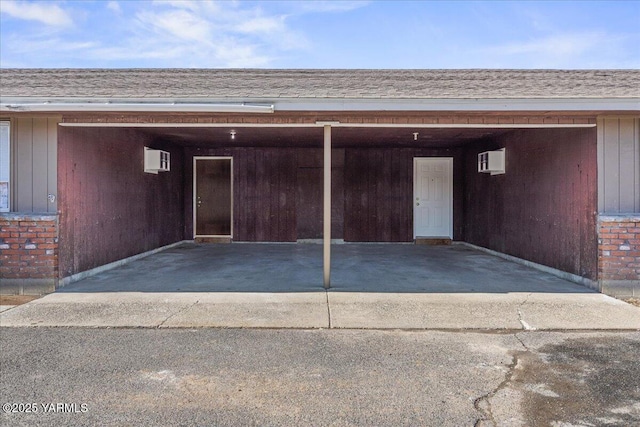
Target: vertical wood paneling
(587,220)
(264,192)
(24,165)
(386,190)
(291,179)
(612,165)
(309,193)
(240,194)
(111,209)
(378,192)
(543,208)
(373,172)
(337,193)
(262,209)
(52,163)
(40,163)
(250,227)
(636,169)
(627,165)
(35,164)
(600,162)
(618,165)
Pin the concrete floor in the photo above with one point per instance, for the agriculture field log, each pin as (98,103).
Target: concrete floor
(375,286)
(366,268)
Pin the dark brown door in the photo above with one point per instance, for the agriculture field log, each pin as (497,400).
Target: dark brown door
(213,200)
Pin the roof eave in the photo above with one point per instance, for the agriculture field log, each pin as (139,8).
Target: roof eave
(262,105)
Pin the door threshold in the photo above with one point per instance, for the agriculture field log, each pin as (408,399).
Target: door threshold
(433,241)
(212,239)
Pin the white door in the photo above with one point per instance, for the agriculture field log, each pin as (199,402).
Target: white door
(433,197)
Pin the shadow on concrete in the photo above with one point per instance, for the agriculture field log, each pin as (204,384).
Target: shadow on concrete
(367,268)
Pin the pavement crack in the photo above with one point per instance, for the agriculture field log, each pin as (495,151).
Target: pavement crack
(483,403)
(182,310)
(521,342)
(523,322)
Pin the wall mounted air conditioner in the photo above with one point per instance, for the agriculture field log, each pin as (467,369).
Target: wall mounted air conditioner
(491,162)
(156,160)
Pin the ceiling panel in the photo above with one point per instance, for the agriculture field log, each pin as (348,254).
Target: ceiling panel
(313,136)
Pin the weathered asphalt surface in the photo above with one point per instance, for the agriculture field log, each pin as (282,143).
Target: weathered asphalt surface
(231,377)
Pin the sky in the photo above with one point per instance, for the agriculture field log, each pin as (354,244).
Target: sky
(320,34)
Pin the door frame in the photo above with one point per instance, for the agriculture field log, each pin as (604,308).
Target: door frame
(416,160)
(196,158)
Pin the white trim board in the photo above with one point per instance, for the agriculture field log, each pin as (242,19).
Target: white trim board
(148,107)
(333,124)
(268,105)
(544,268)
(88,273)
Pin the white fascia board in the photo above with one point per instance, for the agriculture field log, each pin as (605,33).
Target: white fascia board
(139,106)
(332,124)
(468,105)
(263,105)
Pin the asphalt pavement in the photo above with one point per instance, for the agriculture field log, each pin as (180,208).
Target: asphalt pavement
(231,377)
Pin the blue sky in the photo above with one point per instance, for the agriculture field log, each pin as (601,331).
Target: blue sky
(320,34)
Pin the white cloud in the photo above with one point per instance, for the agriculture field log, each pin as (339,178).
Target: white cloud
(561,50)
(47,13)
(262,24)
(560,44)
(331,5)
(179,24)
(49,44)
(166,33)
(192,5)
(114,6)
(206,34)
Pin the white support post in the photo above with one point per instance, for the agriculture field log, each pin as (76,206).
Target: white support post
(326,226)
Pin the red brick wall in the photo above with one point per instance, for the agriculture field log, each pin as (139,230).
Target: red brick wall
(619,252)
(28,251)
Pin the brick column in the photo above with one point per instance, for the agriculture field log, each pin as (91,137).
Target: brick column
(28,253)
(619,254)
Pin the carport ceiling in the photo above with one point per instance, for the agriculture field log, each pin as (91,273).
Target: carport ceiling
(313,136)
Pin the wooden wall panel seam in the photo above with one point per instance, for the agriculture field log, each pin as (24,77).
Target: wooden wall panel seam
(601,172)
(636,145)
(611,165)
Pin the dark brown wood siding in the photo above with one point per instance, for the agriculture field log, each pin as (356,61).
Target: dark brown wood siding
(544,208)
(264,192)
(378,193)
(109,208)
(309,202)
(278,193)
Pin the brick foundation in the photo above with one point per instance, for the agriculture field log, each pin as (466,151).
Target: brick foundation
(619,254)
(28,253)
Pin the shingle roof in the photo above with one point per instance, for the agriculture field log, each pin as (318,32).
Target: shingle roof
(332,84)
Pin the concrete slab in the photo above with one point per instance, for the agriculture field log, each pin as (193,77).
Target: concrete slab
(423,311)
(94,310)
(348,310)
(135,309)
(245,267)
(584,312)
(482,311)
(255,310)
(214,268)
(375,286)
(5,307)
